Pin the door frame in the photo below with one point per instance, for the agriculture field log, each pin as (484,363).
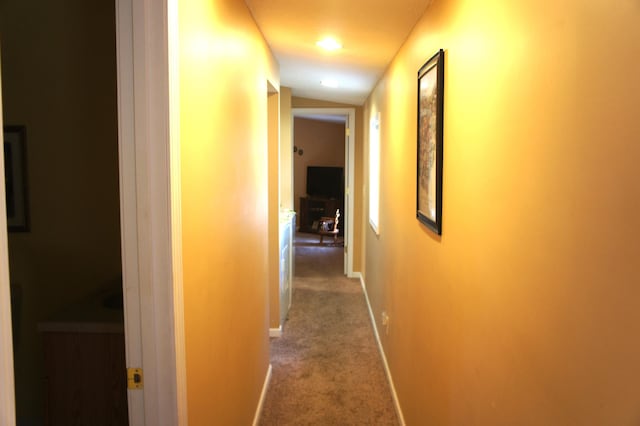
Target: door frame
(7,389)
(151,225)
(349,147)
(149,168)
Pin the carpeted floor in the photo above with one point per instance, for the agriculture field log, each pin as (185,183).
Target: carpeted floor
(326,367)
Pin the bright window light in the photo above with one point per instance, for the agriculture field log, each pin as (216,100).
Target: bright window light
(374,173)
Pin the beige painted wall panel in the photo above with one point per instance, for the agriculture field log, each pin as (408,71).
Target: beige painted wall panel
(322,144)
(273,118)
(286,150)
(525,311)
(298,102)
(224,68)
(358,194)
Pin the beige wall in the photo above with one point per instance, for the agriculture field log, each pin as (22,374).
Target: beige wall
(358,194)
(526,310)
(59,80)
(273,118)
(298,102)
(286,150)
(224,68)
(322,144)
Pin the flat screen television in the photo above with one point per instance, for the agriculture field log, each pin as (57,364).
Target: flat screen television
(325,182)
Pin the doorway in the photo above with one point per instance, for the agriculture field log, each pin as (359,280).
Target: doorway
(59,86)
(344,119)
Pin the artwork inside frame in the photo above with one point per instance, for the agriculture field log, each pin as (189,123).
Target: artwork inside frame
(430,142)
(15,178)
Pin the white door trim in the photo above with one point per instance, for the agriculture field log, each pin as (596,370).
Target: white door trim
(350,113)
(150,209)
(7,390)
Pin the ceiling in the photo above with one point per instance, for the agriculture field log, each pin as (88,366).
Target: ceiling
(371,32)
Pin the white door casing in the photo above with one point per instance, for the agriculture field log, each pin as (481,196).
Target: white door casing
(7,390)
(150,208)
(350,115)
(348,146)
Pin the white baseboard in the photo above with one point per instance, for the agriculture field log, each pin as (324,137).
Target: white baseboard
(275,332)
(355,275)
(263,395)
(394,395)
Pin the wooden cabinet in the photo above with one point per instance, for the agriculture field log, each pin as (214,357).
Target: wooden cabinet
(312,209)
(86,379)
(84,360)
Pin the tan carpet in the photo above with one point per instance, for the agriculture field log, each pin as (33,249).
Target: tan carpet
(326,367)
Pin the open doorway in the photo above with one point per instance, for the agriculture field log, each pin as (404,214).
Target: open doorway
(59,88)
(324,153)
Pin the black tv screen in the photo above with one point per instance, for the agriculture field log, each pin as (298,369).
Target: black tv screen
(325,182)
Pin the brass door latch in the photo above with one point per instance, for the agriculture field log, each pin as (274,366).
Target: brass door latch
(135,379)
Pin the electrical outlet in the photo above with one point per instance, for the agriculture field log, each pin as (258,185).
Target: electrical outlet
(385,322)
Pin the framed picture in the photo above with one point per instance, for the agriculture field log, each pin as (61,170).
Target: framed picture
(430,127)
(15,178)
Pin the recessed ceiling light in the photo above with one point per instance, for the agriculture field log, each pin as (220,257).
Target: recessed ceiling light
(329,43)
(329,83)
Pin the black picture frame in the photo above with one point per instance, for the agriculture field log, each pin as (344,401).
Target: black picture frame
(430,142)
(15,178)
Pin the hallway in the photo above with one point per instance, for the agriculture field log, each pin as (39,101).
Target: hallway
(326,366)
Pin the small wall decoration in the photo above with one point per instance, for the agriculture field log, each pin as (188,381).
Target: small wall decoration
(430,128)
(15,178)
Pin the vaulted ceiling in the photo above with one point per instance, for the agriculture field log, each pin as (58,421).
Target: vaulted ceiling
(370,31)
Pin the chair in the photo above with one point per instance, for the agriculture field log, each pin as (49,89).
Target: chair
(329,226)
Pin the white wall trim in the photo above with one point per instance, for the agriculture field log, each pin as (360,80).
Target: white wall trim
(351,150)
(128,213)
(173,40)
(7,393)
(394,395)
(263,396)
(149,205)
(275,332)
